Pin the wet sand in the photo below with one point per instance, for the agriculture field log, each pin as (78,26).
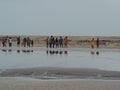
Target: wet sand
(59,78)
(8,83)
(61,73)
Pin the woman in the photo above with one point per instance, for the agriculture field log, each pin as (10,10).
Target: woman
(66,41)
(92,43)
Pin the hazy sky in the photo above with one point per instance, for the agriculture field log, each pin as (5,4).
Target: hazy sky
(60,17)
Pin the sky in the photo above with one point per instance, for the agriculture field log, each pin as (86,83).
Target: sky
(60,17)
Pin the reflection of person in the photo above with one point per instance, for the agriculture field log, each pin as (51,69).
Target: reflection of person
(65,52)
(92,52)
(97,42)
(92,43)
(97,52)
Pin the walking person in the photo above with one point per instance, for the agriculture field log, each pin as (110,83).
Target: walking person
(66,41)
(4,42)
(97,42)
(18,41)
(56,42)
(51,41)
(32,43)
(28,41)
(10,42)
(92,43)
(47,42)
(24,42)
(61,41)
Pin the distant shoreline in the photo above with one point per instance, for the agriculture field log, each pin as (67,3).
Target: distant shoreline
(74,41)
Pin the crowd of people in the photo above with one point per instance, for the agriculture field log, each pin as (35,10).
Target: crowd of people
(52,42)
(6,40)
(25,42)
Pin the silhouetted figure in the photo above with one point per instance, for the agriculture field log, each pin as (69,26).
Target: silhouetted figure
(47,42)
(24,42)
(56,42)
(28,41)
(51,41)
(61,41)
(18,41)
(97,42)
(32,43)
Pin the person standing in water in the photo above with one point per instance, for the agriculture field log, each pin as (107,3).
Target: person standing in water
(18,41)
(92,43)
(10,42)
(0,41)
(66,41)
(61,41)
(32,43)
(47,42)
(97,42)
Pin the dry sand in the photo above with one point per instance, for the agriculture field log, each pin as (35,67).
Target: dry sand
(7,83)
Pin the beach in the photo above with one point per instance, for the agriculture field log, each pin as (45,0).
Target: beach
(62,77)
(60,45)
(76,79)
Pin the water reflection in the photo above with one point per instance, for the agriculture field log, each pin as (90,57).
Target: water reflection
(4,50)
(52,52)
(94,53)
(10,50)
(18,51)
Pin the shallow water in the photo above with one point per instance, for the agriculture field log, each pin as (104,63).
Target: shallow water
(92,59)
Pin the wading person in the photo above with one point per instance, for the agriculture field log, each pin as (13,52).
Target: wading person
(66,41)
(18,41)
(10,42)
(32,43)
(61,41)
(47,42)
(92,43)
(97,42)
